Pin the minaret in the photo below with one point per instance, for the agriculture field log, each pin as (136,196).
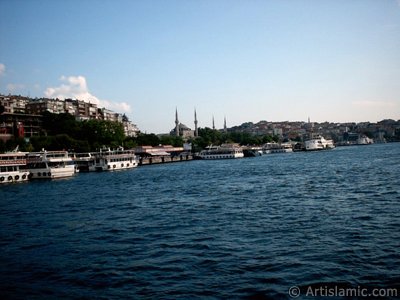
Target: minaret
(176,123)
(225,129)
(196,131)
(213,124)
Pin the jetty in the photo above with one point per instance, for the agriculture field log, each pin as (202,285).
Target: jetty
(149,155)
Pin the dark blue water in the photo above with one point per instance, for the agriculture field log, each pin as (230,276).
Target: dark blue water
(246,228)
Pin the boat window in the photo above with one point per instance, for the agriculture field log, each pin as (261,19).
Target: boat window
(39,165)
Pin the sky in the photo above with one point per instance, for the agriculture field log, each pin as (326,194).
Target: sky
(246,60)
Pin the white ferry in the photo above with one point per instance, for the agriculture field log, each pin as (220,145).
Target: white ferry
(13,167)
(50,164)
(221,152)
(85,162)
(111,160)
(272,148)
(364,140)
(318,143)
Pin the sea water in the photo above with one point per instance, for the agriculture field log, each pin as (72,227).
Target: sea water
(264,227)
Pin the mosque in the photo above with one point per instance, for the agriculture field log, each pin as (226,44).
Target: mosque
(185,132)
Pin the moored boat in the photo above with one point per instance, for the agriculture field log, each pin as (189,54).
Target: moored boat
(84,162)
(225,151)
(13,167)
(318,143)
(50,165)
(112,160)
(364,140)
(271,148)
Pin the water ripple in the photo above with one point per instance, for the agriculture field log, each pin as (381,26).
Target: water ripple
(247,228)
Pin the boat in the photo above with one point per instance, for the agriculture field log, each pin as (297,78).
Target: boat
(84,162)
(224,151)
(252,151)
(318,143)
(364,140)
(13,167)
(50,164)
(272,148)
(112,160)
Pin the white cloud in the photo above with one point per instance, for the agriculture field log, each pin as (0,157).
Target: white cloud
(2,69)
(14,88)
(75,87)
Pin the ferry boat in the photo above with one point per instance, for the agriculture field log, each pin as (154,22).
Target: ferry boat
(271,148)
(252,151)
(364,140)
(318,143)
(50,164)
(13,167)
(112,160)
(84,162)
(221,152)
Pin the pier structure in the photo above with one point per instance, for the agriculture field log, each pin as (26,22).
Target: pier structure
(149,155)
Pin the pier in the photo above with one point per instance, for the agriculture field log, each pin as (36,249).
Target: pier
(149,155)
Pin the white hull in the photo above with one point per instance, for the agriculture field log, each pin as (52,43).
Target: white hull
(272,148)
(319,144)
(120,159)
(364,141)
(50,165)
(222,156)
(273,151)
(114,166)
(14,176)
(52,173)
(226,151)
(13,167)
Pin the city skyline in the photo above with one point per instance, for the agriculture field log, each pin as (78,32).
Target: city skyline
(245,61)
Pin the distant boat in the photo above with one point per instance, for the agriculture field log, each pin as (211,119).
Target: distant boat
(50,164)
(13,167)
(252,151)
(112,160)
(272,148)
(318,143)
(364,140)
(225,151)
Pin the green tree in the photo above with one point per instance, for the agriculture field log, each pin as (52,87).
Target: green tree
(130,143)
(151,139)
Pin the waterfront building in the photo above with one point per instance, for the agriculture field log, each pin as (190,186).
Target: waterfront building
(17,111)
(14,125)
(130,129)
(181,129)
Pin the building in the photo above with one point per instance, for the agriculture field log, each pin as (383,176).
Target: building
(26,114)
(40,106)
(14,104)
(130,129)
(181,129)
(19,125)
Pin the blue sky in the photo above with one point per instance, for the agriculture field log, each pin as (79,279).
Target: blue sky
(249,60)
